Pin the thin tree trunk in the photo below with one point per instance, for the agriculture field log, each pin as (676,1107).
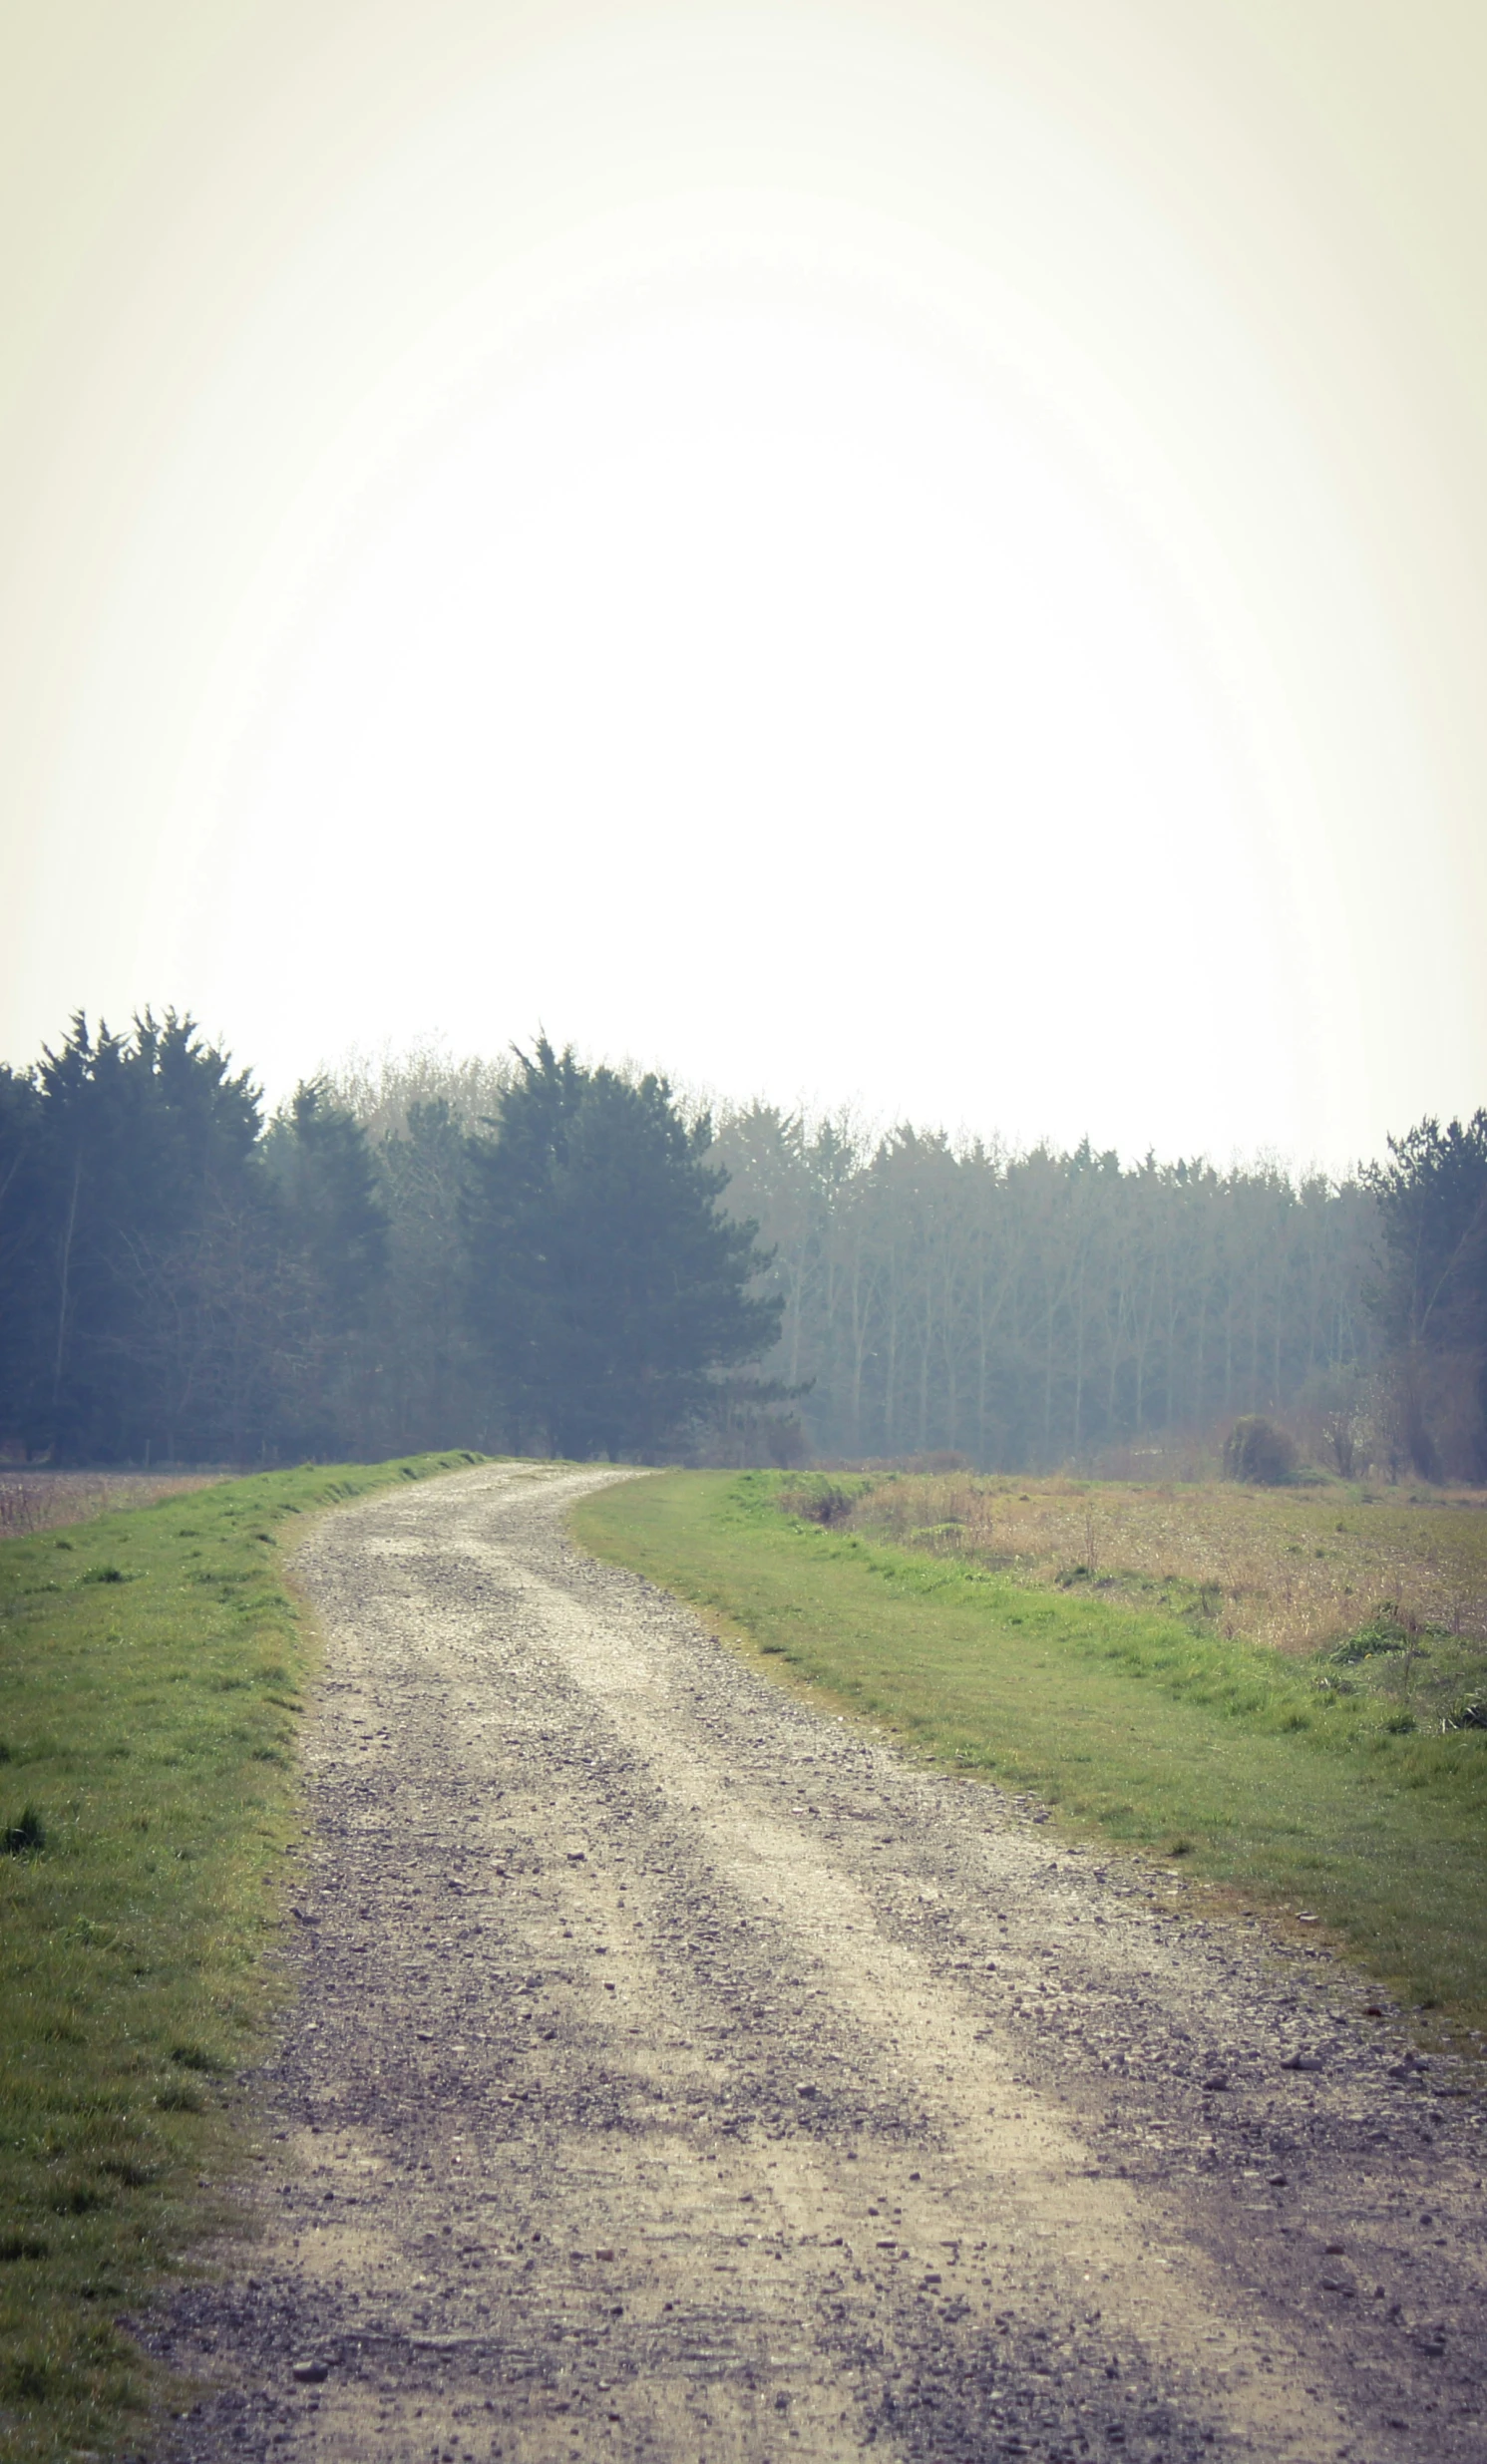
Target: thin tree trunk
(64,1293)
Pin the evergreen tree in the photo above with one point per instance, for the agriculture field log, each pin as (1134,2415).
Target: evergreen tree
(23,1256)
(432,1386)
(1432,1297)
(132,1144)
(607,1288)
(330,1229)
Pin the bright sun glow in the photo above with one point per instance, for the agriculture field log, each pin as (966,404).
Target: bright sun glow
(739,540)
(748,688)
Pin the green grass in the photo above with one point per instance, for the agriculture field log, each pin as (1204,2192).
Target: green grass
(152,1666)
(1251,1767)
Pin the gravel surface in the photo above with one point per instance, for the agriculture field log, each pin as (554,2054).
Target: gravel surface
(676,2071)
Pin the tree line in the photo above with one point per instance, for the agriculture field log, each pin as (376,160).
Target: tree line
(537,1254)
(1031,1309)
(184,1280)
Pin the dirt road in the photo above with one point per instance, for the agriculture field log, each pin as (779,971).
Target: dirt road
(677,2073)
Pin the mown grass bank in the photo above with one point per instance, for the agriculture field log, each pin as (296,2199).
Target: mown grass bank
(1246,1764)
(152,1668)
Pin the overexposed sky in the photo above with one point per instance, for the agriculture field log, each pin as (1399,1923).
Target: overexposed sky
(931,555)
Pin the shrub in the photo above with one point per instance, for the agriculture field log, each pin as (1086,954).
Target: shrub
(1258,1451)
(1391,1628)
(818,1501)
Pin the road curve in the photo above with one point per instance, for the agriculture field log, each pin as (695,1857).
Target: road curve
(677,2072)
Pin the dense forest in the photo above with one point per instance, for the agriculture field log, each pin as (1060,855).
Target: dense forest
(537,1254)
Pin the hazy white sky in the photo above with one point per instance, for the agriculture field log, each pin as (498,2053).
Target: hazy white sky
(925,555)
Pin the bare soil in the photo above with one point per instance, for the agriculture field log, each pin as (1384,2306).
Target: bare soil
(675,2072)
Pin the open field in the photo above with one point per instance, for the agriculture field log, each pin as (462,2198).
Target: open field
(151,1666)
(35,1500)
(1297,1568)
(1316,1786)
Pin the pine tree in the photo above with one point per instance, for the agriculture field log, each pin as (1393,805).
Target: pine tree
(330,1232)
(607,1288)
(1432,1299)
(135,1143)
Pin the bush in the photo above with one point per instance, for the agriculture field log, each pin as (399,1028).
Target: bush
(1391,1628)
(1258,1451)
(819,1500)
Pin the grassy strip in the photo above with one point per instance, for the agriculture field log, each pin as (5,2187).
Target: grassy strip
(150,1672)
(1231,1757)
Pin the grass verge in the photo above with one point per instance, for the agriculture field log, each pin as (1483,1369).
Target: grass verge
(1248,1766)
(152,1666)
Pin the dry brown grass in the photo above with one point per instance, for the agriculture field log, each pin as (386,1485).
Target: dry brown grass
(33,1500)
(1296,1568)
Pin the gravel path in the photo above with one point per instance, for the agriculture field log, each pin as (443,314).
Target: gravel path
(678,2072)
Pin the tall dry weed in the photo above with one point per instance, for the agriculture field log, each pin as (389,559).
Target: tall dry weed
(1297,1571)
(40,1501)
